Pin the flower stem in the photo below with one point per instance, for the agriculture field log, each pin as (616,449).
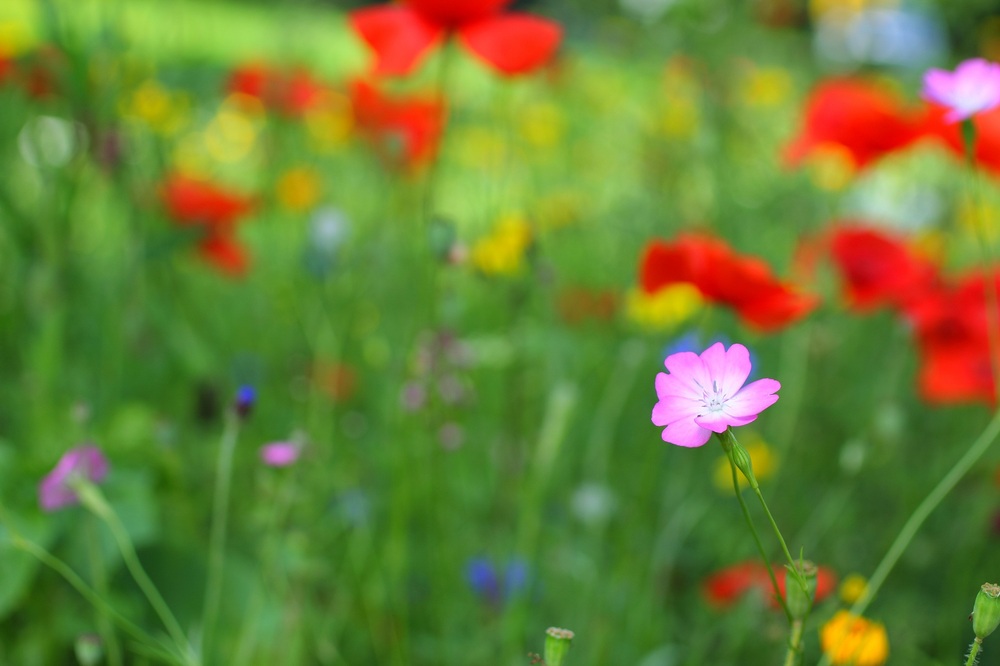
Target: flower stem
(920,514)
(99,575)
(756,538)
(794,643)
(217,537)
(92,498)
(974,652)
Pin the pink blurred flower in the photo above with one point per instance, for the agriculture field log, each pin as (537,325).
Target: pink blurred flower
(973,87)
(280,454)
(55,491)
(705,394)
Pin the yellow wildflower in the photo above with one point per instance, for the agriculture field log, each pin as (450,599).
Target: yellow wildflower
(831,167)
(850,640)
(766,86)
(542,125)
(502,251)
(665,309)
(853,587)
(298,189)
(162,110)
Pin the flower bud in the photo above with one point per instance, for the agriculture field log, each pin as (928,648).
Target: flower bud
(557,642)
(245,399)
(738,455)
(89,650)
(799,599)
(986,611)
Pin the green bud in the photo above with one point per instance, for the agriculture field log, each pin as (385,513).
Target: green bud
(986,611)
(738,455)
(800,588)
(557,642)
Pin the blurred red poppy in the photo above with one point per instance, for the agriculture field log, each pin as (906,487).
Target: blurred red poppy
(727,586)
(191,202)
(857,115)
(951,326)
(878,268)
(401,34)
(404,131)
(744,283)
(292,92)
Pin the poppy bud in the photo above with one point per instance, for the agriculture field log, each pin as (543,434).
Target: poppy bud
(986,611)
(799,599)
(557,642)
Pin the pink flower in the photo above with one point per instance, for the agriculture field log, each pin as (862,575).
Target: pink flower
(705,394)
(972,88)
(279,454)
(55,490)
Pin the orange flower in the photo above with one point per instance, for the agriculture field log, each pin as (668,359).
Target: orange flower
(851,640)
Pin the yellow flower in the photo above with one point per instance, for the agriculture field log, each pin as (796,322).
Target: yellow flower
(761,457)
(980,220)
(766,86)
(502,251)
(831,167)
(665,309)
(162,110)
(542,125)
(850,640)
(853,587)
(298,189)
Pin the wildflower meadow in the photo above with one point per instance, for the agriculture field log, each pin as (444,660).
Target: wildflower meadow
(497,333)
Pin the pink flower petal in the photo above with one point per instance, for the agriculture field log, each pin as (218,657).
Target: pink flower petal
(512,43)
(686,433)
(753,398)
(734,370)
(675,408)
(689,370)
(398,36)
(718,421)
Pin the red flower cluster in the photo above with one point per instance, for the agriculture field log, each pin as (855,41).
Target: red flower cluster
(401,34)
(744,283)
(948,317)
(879,269)
(869,121)
(195,203)
(857,115)
(291,93)
(724,588)
(405,131)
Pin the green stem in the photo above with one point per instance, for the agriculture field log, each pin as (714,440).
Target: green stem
(756,538)
(794,644)
(974,651)
(92,498)
(217,537)
(100,575)
(920,514)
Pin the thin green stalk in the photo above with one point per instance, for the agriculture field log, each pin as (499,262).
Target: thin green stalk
(92,498)
(794,643)
(920,514)
(974,652)
(100,575)
(756,538)
(78,584)
(217,536)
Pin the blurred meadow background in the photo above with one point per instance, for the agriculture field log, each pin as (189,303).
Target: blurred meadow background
(370,354)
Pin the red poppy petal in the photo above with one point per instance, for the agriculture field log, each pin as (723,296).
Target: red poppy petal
(225,254)
(513,43)
(398,35)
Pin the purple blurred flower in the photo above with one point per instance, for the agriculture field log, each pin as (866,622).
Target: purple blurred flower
(280,454)
(486,581)
(55,492)
(246,396)
(972,88)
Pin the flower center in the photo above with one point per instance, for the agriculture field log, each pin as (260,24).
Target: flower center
(714,400)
